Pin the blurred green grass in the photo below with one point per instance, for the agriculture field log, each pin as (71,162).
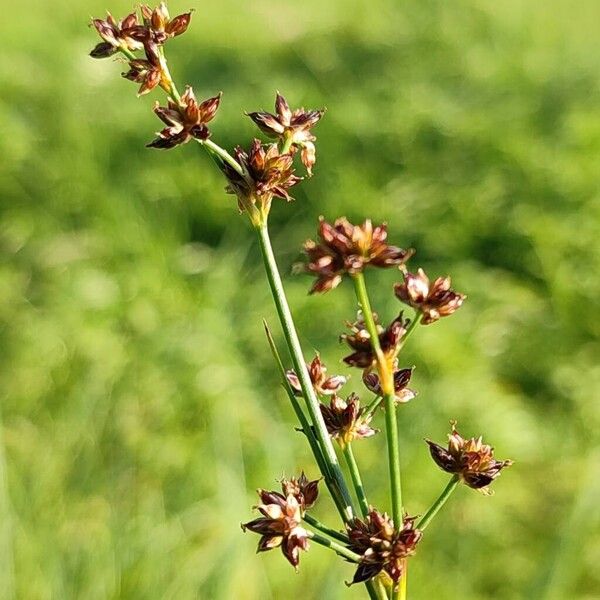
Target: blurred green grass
(139,405)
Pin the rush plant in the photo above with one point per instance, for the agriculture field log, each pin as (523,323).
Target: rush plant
(377,541)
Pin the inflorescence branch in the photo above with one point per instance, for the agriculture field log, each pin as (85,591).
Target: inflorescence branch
(378,545)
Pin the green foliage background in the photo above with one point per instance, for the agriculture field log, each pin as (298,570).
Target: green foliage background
(139,405)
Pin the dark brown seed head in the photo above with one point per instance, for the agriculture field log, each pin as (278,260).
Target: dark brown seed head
(291,126)
(401,380)
(185,121)
(382,547)
(280,525)
(305,491)
(323,385)
(471,459)
(158,26)
(267,174)
(433,300)
(347,248)
(359,340)
(345,420)
(148,73)
(116,35)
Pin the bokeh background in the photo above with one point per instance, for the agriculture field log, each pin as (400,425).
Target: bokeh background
(139,404)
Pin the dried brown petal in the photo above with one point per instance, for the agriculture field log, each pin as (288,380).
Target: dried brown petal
(347,248)
(291,127)
(433,301)
(471,459)
(280,525)
(359,340)
(381,546)
(305,491)
(185,121)
(115,34)
(345,420)
(322,384)
(266,174)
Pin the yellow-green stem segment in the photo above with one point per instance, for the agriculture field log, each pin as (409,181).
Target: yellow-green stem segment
(387,385)
(435,507)
(293,344)
(356,479)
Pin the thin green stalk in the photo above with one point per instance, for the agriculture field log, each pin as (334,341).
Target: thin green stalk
(293,343)
(306,428)
(338,535)
(381,591)
(337,548)
(387,385)
(356,479)
(373,406)
(403,583)
(412,326)
(129,55)
(223,155)
(435,507)
(287,144)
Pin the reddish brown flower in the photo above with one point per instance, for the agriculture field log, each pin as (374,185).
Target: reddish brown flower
(432,300)
(359,340)
(318,375)
(160,22)
(346,420)
(116,35)
(382,547)
(346,248)
(185,121)
(472,460)
(267,173)
(291,126)
(305,491)
(147,72)
(280,525)
(401,379)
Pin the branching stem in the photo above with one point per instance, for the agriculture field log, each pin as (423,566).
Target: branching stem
(435,507)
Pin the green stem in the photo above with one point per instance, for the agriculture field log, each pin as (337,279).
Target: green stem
(306,428)
(387,385)
(338,535)
(299,363)
(223,155)
(337,548)
(381,591)
(412,326)
(435,507)
(356,480)
(401,593)
(373,406)
(287,144)
(129,55)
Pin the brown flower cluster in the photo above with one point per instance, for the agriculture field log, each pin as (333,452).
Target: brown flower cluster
(346,248)
(266,174)
(132,33)
(402,394)
(323,385)
(345,420)
(382,547)
(359,340)
(184,121)
(472,460)
(185,118)
(116,35)
(280,524)
(291,127)
(432,300)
